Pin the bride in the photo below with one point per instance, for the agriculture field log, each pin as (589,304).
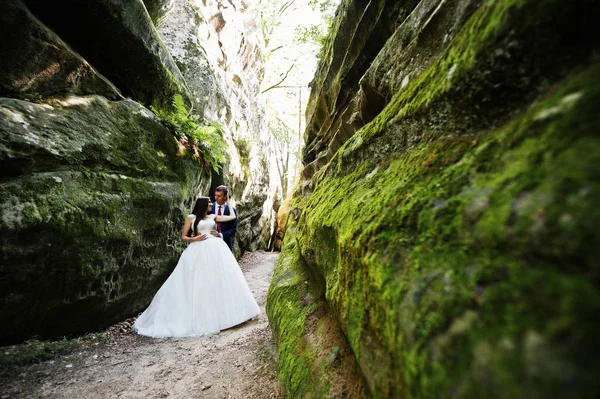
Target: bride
(207,292)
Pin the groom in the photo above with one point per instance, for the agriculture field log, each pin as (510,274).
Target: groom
(221,207)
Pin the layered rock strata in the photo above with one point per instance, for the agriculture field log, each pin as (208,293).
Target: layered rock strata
(447,217)
(36,63)
(119,39)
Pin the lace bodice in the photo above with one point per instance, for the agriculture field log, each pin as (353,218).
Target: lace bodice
(205,225)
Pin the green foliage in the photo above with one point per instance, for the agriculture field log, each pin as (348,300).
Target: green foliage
(243,146)
(212,144)
(269,16)
(317,33)
(285,150)
(324,6)
(206,137)
(36,351)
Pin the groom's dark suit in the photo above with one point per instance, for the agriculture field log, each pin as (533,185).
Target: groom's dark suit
(228,229)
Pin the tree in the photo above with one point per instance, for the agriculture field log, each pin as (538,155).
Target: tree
(293,32)
(317,33)
(284,151)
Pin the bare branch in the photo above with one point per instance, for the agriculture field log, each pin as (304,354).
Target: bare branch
(286,6)
(282,80)
(277,48)
(284,125)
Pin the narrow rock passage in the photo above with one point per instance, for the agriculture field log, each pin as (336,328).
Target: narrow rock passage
(237,363)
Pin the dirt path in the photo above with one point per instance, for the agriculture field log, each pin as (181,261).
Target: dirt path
(237,363)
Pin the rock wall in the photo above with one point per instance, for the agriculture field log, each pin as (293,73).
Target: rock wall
(216,46)
(158,9)
(443,241)
(93,187)
(118,38)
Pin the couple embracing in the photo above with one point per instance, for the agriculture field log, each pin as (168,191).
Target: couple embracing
(206,292)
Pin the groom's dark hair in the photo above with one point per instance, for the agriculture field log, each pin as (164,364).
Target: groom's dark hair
(199,211)
(222,189)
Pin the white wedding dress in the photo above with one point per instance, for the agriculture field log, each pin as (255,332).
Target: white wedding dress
(205,294)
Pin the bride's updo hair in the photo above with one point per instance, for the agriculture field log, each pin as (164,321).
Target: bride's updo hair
(200,208)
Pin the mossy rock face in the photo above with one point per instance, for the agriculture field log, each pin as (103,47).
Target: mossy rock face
(455,233)
(158,8)
(119,39)
(314,358)
(37,63)
(357,36)
(179,31)
(92,199)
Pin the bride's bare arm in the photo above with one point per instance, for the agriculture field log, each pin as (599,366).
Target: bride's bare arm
(186,227)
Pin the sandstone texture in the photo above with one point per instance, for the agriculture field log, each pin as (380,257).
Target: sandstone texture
(119,39)
(447,217)
(37,63)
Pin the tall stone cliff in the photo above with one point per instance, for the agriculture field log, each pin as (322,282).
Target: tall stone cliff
(94,187)
(443,241)
(217,47)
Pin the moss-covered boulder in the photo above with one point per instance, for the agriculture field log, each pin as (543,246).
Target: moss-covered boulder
(454,232)
(36,63)
(92,200)
(119,39)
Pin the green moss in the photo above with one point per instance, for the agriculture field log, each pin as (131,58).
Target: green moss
(468,65)
(204,138)
(452,226)
(310,352)
(35,351)
(285,305)
(243,146)
(448,235)
(458,255)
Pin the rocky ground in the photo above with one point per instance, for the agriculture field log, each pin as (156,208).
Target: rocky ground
(237,363)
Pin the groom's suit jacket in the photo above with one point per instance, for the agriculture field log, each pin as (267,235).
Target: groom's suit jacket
(228,229)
